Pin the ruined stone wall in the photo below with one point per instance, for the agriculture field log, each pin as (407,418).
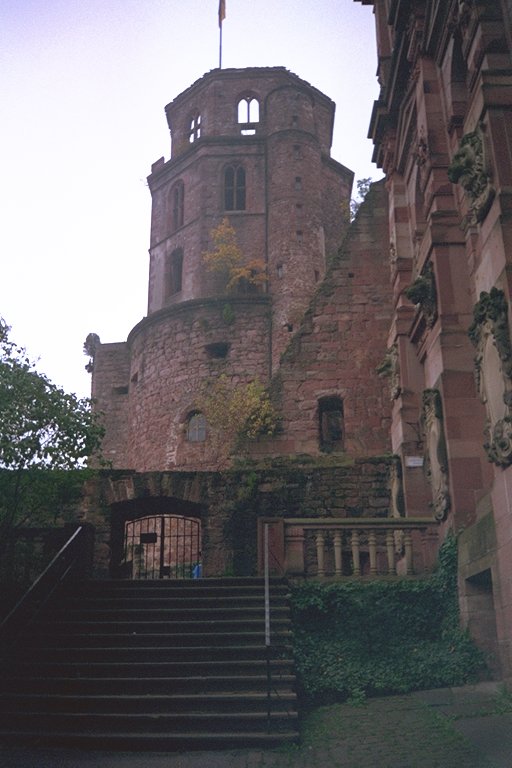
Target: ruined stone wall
(230,503)
(174,354)
(111,376)
(339,345)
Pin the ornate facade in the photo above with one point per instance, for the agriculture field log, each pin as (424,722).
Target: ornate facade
(442,129)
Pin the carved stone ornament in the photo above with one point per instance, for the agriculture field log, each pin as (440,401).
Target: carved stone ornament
(489,332)
(423,293)
(469,169)
(436,459)
(390,368)
(91,344)
(422,150)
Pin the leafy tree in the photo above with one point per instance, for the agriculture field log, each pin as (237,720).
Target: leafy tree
(226,258)
(363,187)
(44,433)
(237,414)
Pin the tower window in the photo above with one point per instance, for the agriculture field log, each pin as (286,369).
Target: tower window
(297,153)
(279,270)
(177,197)
(330,417)
(248,115)
(299,235)
(174,273)
(195,129)
(234,188)
(298,182)
(196,428)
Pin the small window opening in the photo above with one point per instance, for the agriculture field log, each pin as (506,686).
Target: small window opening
(234,188)
(317,275)
(174,274)
(121,390)
(248,115)
(299,234)
(289,327)
(330,416)
(299,210)
(298,182)
(279,270)
(196,428)
(297,154)
(177,196)
(295,121)
(195,129)
(218,350)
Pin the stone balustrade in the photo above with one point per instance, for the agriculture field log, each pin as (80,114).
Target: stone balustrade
(341,547)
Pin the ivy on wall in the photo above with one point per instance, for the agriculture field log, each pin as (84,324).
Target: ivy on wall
(356,638)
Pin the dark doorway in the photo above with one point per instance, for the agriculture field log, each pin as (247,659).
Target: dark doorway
(162,547)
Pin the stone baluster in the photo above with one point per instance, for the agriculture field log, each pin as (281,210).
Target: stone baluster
(355,553)
(390,549)
(408,552)
(372,547)
(338,561)
(320,553)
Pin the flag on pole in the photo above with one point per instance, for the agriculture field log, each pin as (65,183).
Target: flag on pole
(222,11)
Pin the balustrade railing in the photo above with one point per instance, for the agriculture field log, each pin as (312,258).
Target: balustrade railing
(336,547)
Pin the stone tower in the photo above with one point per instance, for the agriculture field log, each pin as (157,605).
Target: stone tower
(251,146)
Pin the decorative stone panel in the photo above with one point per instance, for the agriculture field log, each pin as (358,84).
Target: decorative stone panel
(436,459)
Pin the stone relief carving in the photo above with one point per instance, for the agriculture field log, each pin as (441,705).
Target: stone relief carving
(91,344)
(397,504)
(469,169)
(423,293)
(390,369)
(489,333)
(436,459)
(422,150)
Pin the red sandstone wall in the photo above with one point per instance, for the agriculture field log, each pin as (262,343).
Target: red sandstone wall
(340,343)
(111,375)
(170,364)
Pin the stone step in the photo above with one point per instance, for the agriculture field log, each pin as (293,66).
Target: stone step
(123,741)
(145,686)
(97,703)
(154,639)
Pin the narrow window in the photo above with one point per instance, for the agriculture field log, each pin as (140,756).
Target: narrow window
(299,210)
(298,182)
(195,129)
(297,154)
(299,236)
(177,196)
(279,270)
(248,115)
(234,188)
(295,121)
(174,273)
(330,416)
(196,428)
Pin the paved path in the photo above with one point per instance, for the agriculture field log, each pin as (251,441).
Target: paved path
(468,727)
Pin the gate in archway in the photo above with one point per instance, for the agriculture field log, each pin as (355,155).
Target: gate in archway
(162,547)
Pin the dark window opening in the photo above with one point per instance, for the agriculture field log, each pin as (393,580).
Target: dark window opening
(177,196)
(297,154)
(298,182)
(295,121)
(317,275)
(218,350)
(299,236)
(196,428)
(279,270)
(330,416)
(174,274)
(234,188)
(121,390)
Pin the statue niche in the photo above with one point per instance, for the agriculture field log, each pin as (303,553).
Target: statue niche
(469,169)
(436,458)
(489,333)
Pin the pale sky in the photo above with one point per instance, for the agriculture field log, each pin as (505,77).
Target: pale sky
(83,85)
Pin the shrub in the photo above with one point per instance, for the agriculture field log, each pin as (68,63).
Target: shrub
(361,638)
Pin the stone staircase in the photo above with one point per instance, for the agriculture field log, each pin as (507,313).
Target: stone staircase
(154,665)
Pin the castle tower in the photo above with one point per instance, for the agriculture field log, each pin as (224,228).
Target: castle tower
(251,146)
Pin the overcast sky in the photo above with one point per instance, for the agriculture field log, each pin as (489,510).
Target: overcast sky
(83,86)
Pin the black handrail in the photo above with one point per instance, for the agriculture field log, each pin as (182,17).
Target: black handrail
(63,566)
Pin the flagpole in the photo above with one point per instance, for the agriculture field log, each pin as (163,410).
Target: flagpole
(222,16)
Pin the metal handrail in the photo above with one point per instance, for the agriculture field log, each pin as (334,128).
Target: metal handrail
(41,590)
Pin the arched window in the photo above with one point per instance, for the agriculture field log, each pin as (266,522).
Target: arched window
(248,115)
(177,201)
(173,278)
(330,417)
(234,188)
(196,427)
(195,129)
